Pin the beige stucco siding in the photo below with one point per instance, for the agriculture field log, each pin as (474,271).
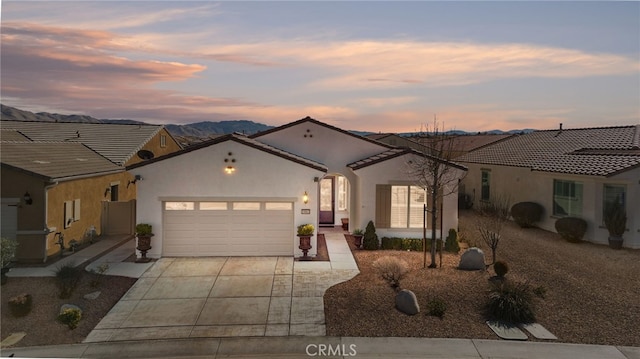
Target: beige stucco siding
(154,145)
(91,192)
(521,184)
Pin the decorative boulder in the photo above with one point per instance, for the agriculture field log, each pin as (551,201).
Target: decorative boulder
(407,302)
(472,259)
(92,296)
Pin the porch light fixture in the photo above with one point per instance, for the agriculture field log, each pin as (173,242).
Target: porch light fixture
(305,197)
(135,179)
(229,170)
(27,198)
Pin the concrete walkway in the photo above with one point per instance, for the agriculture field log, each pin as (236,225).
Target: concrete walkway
(109,249)
(329,347)
(192,297)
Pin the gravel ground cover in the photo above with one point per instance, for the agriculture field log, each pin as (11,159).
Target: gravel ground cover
(41,325)
(592,292)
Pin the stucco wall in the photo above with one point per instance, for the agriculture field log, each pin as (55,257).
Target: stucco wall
(91,192)
(522,184)
(395,171)
(200,174)
(332,148)
(31,218)
(153,145)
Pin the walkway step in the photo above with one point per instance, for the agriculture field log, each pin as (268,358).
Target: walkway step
(505,331)
(538,331)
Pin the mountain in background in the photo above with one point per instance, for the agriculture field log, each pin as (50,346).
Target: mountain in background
(185,134)
(193,132)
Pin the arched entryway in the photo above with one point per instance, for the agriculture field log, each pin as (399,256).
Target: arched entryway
(334,200)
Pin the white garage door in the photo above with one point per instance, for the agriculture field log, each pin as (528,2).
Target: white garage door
(232,228)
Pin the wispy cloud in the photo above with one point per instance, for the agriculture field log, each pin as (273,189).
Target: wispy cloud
(383,64)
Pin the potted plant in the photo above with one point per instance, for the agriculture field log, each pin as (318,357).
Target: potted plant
(305,231)
(8,253)
(615,219)
(357,237)
(144,232)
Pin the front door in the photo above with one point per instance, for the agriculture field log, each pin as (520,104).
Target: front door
(327,200)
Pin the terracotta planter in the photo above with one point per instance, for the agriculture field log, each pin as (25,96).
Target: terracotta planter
(305,245)
(144,244)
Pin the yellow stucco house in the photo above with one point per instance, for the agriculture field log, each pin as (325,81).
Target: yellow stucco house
(65,180)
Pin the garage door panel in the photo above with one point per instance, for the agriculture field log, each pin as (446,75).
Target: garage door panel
(229,232)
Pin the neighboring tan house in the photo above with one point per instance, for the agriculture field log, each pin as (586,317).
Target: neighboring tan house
(570,172)
(64,179)
(237,195)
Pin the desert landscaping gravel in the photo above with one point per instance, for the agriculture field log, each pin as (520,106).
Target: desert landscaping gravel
(593,296)
(41,325)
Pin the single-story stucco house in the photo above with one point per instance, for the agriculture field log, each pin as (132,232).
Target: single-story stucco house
(570,172)
(239,196)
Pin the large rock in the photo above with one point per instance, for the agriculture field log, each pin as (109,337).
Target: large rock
(92,296)
(407,302)
(472,259)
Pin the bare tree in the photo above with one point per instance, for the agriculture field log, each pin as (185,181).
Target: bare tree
(495,214)
(434,172)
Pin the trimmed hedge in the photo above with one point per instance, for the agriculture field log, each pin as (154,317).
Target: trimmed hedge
(406,244)
(526,214)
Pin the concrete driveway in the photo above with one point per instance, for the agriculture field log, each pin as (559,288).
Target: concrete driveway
(228,297)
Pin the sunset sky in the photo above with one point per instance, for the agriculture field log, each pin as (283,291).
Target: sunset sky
(374,66)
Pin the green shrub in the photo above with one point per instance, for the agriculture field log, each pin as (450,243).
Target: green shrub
(501,268)
(540,291)
(20,305)
(511,302)
(451,244)
(68,278)
(412,244)
(437,308)
(99,272)
(526,214)
(370,240)
(8,249)
(71,317)
(571,228)
(144,229)
(391,269)
(403,244)
(305,229)
(391,243)
(615,218)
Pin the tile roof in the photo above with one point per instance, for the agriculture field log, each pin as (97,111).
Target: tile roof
(245,141)
(117,142)
(601,151)
(55,161)
(12,135)
(393,153)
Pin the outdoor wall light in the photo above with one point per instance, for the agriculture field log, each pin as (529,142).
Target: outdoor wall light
(229,170)
(27,198)
(107,191)
(135,179)
(305,197)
